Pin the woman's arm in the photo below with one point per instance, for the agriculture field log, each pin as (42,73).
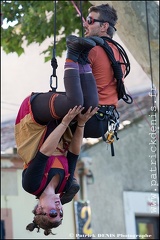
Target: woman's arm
(51,143)
(76,142)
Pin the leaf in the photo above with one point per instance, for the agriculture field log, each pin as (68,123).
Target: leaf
(34,23)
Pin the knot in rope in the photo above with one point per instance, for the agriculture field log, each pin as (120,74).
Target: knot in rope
(54,63)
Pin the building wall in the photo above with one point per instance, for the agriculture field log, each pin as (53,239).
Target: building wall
(128,177)
(129,170)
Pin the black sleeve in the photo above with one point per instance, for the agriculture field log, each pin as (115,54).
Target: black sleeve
(72,161)
(32,176)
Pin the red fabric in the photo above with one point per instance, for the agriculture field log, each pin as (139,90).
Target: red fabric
(49,164)
(24,109)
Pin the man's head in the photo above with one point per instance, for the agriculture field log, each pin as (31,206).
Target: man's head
(101,21)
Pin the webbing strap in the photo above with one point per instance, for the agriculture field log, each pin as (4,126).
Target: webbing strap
(112,150)
(45,175)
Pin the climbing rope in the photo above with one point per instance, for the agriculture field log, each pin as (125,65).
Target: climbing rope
(81,19)
(80,14)
(54,60)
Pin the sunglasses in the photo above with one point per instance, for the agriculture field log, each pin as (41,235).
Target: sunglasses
(91,21)
(53,213)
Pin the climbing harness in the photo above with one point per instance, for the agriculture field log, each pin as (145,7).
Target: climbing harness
(49,164)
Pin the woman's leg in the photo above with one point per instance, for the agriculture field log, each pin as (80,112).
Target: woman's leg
(94,128)
(49,106)
(89,88)
(74,94)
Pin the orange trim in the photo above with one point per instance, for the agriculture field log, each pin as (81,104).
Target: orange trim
(51,106)
(69,60)
(57,164)
(25,166)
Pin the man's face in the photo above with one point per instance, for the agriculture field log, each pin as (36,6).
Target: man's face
(94,28)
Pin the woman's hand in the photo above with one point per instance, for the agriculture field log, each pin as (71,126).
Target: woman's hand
(51,142)
(83,118)
(76,142)
(72,113)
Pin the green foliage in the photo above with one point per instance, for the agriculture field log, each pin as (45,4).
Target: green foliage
(34,23)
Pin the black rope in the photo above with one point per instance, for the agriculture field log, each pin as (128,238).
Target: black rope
(55,11)
(116,65)
(122,53)
(54,60)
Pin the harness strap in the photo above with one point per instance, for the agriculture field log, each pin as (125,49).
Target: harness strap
(48,167)
(112,150)
(45,176)
(65,165)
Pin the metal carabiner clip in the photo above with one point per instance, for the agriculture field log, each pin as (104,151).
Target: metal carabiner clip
(56,84)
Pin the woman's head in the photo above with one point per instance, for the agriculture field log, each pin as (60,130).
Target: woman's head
(51,218)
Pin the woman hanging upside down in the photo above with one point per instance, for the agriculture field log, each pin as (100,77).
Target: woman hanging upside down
(45,142)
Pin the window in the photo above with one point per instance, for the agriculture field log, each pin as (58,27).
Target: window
(141,211)
(2,229)
(147,226)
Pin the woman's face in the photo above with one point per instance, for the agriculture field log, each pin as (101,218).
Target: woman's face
(52,207)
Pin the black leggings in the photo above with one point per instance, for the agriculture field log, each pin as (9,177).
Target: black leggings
(78,91)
